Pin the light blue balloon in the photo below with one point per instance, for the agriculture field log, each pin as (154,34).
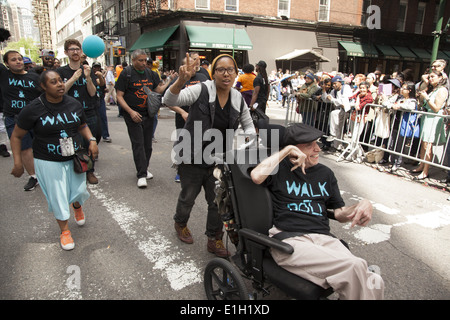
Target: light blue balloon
(93,46)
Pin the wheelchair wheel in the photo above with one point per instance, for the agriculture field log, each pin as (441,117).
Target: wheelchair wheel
(223,281)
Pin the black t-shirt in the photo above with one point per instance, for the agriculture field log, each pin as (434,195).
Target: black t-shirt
(300,201)
(222,119)
(51,123)
(134,95)
(17,90)
(261,83)
(79,89)
(197,78)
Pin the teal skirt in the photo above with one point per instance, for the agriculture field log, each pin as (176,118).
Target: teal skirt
(61,186)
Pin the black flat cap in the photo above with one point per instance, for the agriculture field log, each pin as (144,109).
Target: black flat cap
(300,133)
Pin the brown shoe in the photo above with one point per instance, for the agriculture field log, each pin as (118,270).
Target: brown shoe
(184,234)
(91,178)
(215,245)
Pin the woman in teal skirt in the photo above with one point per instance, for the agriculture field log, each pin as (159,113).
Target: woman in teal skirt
(432,127)
(59,124)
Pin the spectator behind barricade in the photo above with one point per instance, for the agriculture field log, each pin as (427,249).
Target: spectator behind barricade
(432,130)
(389,94)
(286,89)
(357,81)
(339,97)
(437,65)
(274,86)
(409,126)
(305,105)
(323,111)
(359,114)
(373,89)
(245,83)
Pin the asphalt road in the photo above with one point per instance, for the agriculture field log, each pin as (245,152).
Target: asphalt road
(128,248)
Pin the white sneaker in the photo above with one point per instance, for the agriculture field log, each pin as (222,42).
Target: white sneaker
(142,183)
(149,175)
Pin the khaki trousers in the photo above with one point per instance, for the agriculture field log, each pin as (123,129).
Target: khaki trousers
(325,261)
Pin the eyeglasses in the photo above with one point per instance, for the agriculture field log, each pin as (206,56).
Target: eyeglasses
(74,49)
(49,58)
(222,70)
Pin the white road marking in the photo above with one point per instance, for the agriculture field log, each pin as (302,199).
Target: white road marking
(181,271)
(377,233)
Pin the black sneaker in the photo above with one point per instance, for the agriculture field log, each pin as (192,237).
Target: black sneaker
(4,151)
(32,183)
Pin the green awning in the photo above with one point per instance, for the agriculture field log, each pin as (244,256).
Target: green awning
(218,38)
(422,54)
(154,40)
(356,49)
(388,52)
(442,55)
(405,53)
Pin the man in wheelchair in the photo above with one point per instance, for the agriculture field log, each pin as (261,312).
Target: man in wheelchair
(302,191)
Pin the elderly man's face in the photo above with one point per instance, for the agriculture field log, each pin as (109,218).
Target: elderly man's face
(311,150)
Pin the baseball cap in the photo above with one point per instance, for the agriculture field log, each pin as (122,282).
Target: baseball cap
(395,82)
(47,52)
(27,60)
(336,79)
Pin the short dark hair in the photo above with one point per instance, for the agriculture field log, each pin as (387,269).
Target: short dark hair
(44,76)
(6,55)
(248,68)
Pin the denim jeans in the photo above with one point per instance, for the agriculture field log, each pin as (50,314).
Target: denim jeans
(92,122)
(193,178)
(141,142)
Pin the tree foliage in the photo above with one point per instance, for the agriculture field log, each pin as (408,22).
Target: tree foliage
(30,48)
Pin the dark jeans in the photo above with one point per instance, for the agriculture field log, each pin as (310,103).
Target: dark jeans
(104,119)
(193,178)
(92,122)
(141,142)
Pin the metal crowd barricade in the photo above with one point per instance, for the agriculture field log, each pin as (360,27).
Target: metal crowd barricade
(381,129)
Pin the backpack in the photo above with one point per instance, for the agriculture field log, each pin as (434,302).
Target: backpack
(154,99)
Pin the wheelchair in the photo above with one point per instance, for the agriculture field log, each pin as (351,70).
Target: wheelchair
(246,210)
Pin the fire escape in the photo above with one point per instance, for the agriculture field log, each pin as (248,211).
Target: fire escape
(148,9)
(42,19)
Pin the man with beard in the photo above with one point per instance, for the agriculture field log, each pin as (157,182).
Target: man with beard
(80,84)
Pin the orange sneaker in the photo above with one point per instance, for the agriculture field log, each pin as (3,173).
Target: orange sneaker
(67,241)
(79,215)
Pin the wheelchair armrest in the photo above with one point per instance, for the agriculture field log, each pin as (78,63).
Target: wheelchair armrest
(266,240)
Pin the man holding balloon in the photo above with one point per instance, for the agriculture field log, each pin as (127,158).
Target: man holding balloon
(80,84)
